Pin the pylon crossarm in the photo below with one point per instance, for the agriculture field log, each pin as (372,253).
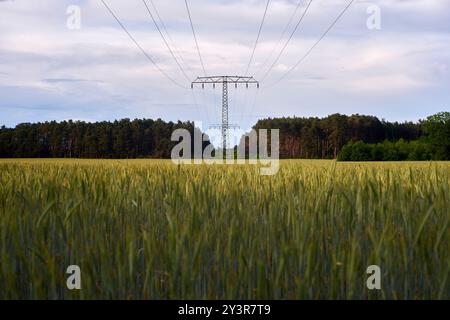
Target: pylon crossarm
(219,126)
(222,79)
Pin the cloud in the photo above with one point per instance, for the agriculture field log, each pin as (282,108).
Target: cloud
(69,80)
(97,72)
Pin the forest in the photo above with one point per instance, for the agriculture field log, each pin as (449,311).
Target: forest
(433,145)
(323,138)
(348,138)
(120,139)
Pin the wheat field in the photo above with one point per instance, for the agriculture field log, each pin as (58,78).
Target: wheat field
(149,229)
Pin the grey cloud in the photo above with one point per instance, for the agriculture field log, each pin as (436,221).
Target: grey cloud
(69,80)
(390,72)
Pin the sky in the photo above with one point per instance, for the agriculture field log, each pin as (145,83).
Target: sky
(396,67)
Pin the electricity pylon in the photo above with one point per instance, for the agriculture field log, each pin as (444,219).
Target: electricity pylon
(225,80)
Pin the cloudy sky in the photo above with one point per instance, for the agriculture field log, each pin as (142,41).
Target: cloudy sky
(50,70)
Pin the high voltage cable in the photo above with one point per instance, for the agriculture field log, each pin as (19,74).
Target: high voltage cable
(216,112)
(287,41)
(282,33)
(163,25)
(254,102)
(195,37)
(197,107)
(257,37)
(246,102)
(314,45)
(253,52)
(140,48)
(165,42)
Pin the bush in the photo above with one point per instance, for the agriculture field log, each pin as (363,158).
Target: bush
(400,150)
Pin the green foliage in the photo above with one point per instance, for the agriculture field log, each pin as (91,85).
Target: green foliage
(299,137)
(437,128)
(400,150)
(68,139)
(148,229)
(435,145)
(316,138)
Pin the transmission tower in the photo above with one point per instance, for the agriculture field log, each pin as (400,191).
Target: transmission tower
(224,81)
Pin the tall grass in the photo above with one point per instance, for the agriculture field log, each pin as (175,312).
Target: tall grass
(147,229)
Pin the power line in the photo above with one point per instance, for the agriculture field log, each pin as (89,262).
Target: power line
(216,111)
(244,104)
(163,25)
(197,107)
(257,37)
(140,48)
(254,103)
(198,51)
(314,45)
(165,41)
(282,33)
(247,101)
(195,37)
(253,52)
(287,42)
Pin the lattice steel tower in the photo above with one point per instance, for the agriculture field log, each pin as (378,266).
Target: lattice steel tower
(225,80)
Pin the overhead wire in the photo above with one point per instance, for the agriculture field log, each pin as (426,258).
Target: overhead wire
(266,61)
(174,46)
(257,38)
(195,37)
(195,100)
(287,41)
(198,50)
(245,100)
(165,74)
(175,82)
(165,41)
(314,45)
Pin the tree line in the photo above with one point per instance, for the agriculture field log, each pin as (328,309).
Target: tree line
(433,145)
(78,139)
(400,150)
(355,137)
(324,138)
